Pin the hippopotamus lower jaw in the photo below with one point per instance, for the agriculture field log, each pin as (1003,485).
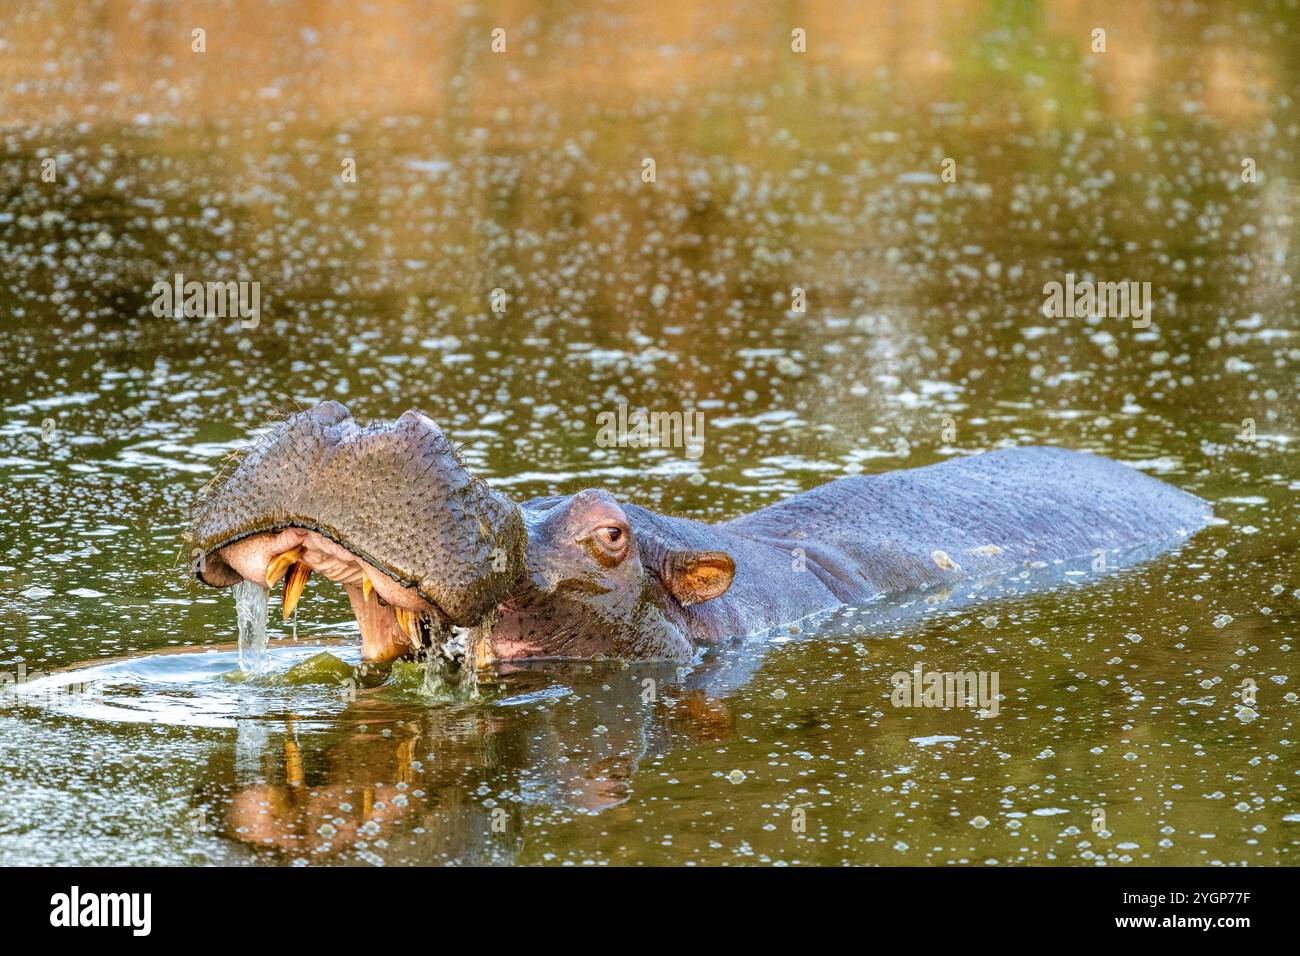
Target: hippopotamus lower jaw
(388,511)
(394,619)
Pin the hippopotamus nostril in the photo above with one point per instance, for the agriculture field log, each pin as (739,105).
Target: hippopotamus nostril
(411,417)
(329,412)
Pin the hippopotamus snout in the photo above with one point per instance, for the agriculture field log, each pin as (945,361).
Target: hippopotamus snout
(387,510)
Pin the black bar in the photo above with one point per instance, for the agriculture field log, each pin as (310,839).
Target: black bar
(334,906)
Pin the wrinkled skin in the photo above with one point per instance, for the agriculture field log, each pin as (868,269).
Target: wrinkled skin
(597,586)
(604,578)
(387,510)
(614,579)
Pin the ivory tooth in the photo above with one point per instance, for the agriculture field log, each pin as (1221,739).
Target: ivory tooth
(366,588)
(293,588)
(403,620)
(280,564)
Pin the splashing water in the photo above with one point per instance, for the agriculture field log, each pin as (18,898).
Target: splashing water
(448,673)
(443,678)
(250,610)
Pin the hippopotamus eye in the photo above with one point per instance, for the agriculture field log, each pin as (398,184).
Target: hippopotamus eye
(607,543)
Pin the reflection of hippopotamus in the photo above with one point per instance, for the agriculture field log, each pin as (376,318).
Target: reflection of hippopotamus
(391,513)
(409,775)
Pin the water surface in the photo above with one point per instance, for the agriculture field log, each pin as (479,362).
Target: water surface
(923,337)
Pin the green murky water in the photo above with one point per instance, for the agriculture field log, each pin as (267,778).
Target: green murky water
(1124,694)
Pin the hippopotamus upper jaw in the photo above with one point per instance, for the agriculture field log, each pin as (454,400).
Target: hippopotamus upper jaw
(387,510)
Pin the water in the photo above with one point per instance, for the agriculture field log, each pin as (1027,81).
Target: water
(1123,693)
(445,678)
(250,612)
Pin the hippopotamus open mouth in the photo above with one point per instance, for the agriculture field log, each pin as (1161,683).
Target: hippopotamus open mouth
(389,511)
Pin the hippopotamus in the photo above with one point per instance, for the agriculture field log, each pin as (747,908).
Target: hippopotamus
(391,512)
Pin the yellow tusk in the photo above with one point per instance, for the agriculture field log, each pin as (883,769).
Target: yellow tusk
(280,564)
(405,755)
(293,773)
(293,588)
(482,653)
(366,588)
(403,620)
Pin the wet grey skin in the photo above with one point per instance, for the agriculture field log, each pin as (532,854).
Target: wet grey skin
(614,579)
(387,510)
(595,577)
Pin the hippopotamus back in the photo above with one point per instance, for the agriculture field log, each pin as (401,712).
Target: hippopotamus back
(980,514)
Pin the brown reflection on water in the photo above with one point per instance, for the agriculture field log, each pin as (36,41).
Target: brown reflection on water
(328,62)
(411,780)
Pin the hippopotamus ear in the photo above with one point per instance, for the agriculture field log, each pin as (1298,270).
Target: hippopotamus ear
(695,576)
